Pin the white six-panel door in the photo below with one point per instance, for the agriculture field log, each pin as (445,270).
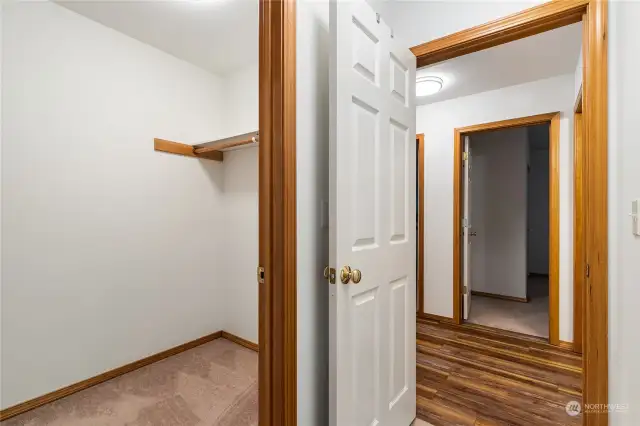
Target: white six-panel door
(372,221)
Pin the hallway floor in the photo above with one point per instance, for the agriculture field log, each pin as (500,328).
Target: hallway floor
(473,375)
(528,318)
(215,384)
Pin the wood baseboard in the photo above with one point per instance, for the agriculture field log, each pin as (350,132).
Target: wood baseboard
(434,317)
(240,341)
(108,375)
(536,274)
(566,345)
(500,296)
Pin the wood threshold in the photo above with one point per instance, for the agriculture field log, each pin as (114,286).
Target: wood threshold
(529,22)
(100,378)
(439,318)
(240,341)
(569,346)
(500,296)
(533,21)
(421,224)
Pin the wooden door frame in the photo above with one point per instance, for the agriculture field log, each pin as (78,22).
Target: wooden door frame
(420,236)
(579,263)
(277,206)
(553,119)
(532,21)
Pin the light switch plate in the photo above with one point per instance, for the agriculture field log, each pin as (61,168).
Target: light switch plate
(635,213)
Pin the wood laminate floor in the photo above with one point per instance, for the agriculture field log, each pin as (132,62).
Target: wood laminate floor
(473,375)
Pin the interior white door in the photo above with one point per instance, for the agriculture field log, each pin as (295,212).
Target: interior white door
(372,221)
(466,234)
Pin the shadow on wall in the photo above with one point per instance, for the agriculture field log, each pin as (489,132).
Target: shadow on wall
(214,171)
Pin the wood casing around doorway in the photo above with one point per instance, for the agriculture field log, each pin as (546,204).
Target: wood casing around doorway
(553,119)
(420,238)
(277,218)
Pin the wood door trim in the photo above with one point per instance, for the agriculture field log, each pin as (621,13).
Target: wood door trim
(554,230)
(277,222)
(532,21)
(240,341)
(420,142)
(579,264)
(554,212)
(595,109)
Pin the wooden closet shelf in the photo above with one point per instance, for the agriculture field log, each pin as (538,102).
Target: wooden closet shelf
(210,150)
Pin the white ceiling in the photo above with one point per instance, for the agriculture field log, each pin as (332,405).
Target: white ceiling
(542,56)
(220,36)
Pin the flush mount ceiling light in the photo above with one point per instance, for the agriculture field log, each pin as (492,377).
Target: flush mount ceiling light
(428,85)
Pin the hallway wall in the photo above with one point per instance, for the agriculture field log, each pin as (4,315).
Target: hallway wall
(438,121)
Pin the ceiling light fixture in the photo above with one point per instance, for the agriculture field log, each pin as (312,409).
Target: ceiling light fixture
(428,85)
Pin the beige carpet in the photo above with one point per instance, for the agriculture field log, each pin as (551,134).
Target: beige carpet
(530,318)
(215,384)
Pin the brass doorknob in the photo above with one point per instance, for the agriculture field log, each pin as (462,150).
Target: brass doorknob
(346,275)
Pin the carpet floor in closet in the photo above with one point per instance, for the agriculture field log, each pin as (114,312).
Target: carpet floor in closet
(215,384)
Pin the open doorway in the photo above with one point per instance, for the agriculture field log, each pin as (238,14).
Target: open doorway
(154,255)
(506,229)
(492,206)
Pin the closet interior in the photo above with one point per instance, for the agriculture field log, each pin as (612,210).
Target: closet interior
(131,267)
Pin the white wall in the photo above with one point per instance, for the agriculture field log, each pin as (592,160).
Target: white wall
(438,121)
(499,212)
(1,121)
(419,21)
(241,101)
(239,246)
(109,248)
(624,186)
(578,75)
(312,156)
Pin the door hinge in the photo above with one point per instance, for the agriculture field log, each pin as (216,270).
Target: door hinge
(330,274)
(588,270)
(465,290)
(260,274)
(465,156)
